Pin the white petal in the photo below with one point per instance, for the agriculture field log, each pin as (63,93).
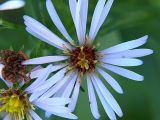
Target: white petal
(68,90)
(34,115)
(40,80)
(68,86)
(56,87)
(7,117)
(40,36)
(111,81)
(108,96)
(62,89)
(9,84)
(75,95)
(47,36)
(52,80)
(44,60)
(66,115)
(49,83)
(72,6)
(1,67)
(122,61)
(130,53)
(35,74)
(56,20)
(78,23)
(57,67)
(84,10)
(34,96)
(124,72)
(92,99)
(96,16)
(39,67)
(105,104)
(126,45)
(69,115)
(56,101)
(12,4)
(51,108)
(103,16)
(57,110)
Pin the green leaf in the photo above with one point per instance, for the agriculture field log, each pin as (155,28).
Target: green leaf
(9,25)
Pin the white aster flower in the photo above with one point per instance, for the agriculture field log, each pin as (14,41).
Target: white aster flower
(16,102)
(12,4)
(84,59)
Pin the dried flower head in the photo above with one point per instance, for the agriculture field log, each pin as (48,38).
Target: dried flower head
(13,70)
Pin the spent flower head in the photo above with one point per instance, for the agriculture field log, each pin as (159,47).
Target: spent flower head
(13,69)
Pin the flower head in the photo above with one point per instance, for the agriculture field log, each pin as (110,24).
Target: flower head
(15,102)
(84,59)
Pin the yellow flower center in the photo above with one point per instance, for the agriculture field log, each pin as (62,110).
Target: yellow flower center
(16,103)
(83,62)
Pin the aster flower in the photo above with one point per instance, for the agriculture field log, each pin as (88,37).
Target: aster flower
(83,61)
(15,101)
(12,4)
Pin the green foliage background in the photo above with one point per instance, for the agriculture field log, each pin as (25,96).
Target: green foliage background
(128,19)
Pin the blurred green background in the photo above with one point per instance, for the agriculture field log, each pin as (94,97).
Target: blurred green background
(127,20)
